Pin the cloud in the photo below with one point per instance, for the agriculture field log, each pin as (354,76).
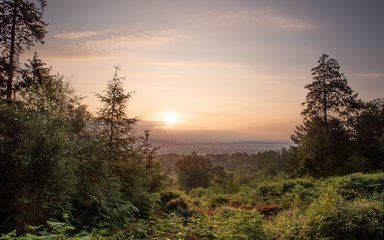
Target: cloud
(70,53)
(82,35)
(136,39)
(264,18)
(370,75)
(94,45)
(75,35)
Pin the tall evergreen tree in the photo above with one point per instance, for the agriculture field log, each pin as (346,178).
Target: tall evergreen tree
(116,126)
(21,26)
(129,158)
(329,94)
(321,144)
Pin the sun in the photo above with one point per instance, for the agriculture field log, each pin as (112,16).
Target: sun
(170,119)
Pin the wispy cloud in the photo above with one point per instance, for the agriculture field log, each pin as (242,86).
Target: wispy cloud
(135,39)
(83,34)
(70,53)
(75,35)
(370,75)
(265,18)
(96,44)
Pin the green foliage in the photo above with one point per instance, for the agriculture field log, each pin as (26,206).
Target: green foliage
(218,200)
(322,145)
(322,149)
(194,171)
(169,194)
(37,169)
(368,131)
(358,185)
(331,216)
(112,120)
(22,26)
(129,158)
(329,94)
(346,208)
(54,161)
(239,224)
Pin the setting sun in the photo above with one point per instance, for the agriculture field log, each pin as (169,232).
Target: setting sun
(170,118)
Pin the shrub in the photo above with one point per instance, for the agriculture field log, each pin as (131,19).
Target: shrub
(358,185)
(178,205)
(287,225)
(198,192)
(333,217)
(218,200)
(239,224)
(168,195)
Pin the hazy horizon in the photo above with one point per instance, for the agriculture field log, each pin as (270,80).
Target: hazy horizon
(215,70)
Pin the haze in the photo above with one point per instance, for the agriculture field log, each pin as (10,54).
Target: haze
(216,69)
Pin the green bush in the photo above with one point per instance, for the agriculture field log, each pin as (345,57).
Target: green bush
(198,192)
(168,195)
(218,200)
(358,185)
(287,225)
(239,224)
(178,205)
(333,217)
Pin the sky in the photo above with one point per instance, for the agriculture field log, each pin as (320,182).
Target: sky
(214,70)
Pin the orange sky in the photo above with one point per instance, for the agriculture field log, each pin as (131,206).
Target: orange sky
(226,69)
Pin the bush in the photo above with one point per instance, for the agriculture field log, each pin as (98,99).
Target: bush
(178,205)
(218,200)
(239,224)
(168,195)
(333,217)
(198,192)
(358,185)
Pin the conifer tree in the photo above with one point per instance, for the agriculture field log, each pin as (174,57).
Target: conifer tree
(321,144)
(329,94)
(116,126)
(21,26)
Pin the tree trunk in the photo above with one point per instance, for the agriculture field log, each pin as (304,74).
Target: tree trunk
(325,102)
(11,67)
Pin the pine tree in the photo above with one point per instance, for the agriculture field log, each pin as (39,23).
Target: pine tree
(21,26)
(321,143)
(329,94)
(129,160)
(116,126)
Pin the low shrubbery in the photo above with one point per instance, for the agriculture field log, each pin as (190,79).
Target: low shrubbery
(347,207)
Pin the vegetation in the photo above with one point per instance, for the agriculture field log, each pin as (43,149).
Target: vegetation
(22,26)
(67,174)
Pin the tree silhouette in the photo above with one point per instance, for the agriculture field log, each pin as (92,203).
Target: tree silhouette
(329,94)
(321,143)
(21,26)
(115,124)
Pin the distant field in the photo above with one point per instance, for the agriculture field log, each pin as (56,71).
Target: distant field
(225,147)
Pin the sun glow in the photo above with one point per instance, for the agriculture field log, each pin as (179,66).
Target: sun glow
(170,119)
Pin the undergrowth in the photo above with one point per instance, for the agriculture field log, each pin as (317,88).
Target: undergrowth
(346,207)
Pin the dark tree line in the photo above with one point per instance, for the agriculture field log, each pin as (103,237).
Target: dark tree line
(340,133)
(57,160)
